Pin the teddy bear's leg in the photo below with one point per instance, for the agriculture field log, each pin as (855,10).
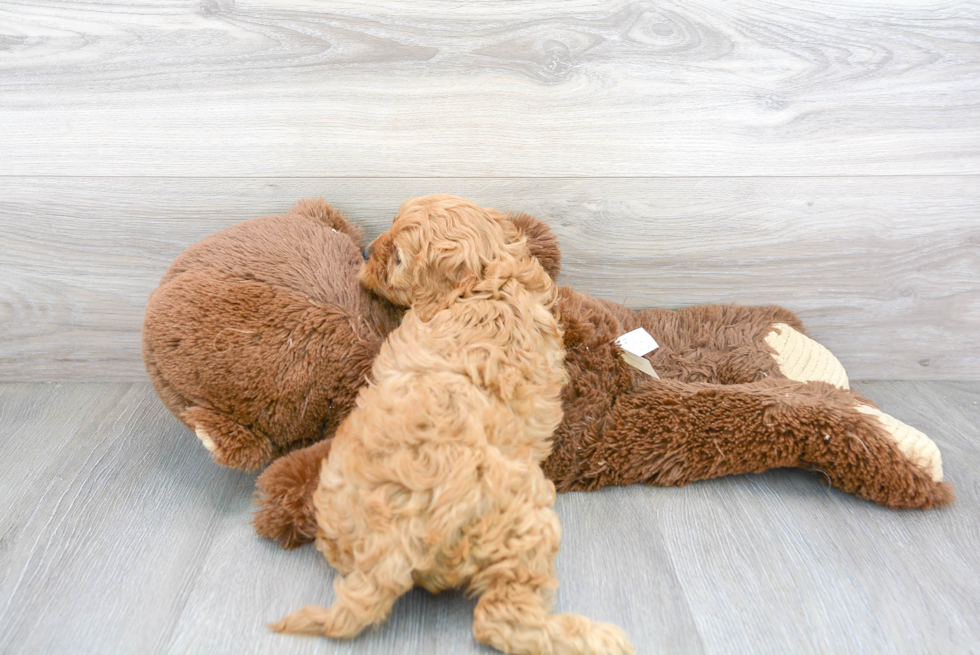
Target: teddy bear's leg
(671,433)
(362,598)
(731,344)
(802,359)
(915,445)
(905,474)
(285,496)
(230,443)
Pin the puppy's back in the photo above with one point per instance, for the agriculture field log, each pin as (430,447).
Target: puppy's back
(500,351)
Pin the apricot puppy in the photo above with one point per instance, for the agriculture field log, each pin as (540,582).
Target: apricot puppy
(434,479)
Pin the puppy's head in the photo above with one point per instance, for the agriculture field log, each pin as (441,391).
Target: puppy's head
(440,248)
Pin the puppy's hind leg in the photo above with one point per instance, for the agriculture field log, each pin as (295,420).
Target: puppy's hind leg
(514,610)
(515,618)
(363,598)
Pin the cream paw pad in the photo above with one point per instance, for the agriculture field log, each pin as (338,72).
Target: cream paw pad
(802,359)
(915,445)
(206,439)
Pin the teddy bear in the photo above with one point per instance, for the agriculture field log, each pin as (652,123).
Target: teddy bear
(259,338)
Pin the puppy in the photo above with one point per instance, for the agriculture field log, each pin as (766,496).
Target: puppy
(434,478)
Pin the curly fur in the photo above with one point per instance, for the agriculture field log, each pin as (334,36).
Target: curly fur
(434,479)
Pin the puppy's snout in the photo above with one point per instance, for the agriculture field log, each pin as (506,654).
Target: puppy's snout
(367,252)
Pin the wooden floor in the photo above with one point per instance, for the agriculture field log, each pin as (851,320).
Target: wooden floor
(118,535)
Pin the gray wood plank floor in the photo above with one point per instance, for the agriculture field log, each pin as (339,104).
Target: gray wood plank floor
(118,535)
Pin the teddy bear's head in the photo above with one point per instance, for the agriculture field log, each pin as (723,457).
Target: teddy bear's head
(260,336)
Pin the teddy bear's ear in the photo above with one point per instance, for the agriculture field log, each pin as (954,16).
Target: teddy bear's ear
(319,209)
(541,241)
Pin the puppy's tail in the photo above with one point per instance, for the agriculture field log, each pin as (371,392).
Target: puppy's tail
(311,620)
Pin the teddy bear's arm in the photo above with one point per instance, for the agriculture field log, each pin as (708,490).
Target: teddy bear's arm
(285,496)
(670,433)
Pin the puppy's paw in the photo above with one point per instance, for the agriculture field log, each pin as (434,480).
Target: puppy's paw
(572,634)
(802,359)
(337,622)
(607,639)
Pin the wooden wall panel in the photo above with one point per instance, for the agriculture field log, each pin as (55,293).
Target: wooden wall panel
(884,271)
(426,88)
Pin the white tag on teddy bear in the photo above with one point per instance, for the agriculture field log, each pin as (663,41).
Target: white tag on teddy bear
(635,345)
(639,342)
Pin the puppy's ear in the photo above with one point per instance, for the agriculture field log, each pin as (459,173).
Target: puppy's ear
(541,241)
(445,264)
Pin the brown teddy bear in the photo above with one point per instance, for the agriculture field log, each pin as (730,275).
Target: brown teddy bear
(259,338)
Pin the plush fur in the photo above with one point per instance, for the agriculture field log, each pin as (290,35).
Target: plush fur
(434,478)
(259,337)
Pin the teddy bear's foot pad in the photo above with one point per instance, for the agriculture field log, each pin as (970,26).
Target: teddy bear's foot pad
(230,444)
(206,439)
(919,448)
(802,359)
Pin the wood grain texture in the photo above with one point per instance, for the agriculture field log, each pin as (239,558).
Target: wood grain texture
(118,535)
(551,88)
(853,577)
(103,538)
(883,270)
